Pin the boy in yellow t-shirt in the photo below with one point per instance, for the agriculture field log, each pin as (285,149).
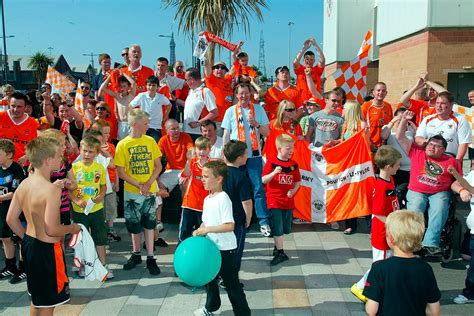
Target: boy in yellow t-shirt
(138,162)
(87,199)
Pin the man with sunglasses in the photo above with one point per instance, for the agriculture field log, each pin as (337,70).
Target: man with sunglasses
(219,81)
(430,181)
(325,126)
(282,90)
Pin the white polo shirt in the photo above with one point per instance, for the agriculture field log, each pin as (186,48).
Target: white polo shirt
(152,106)
(456,130)
(195,102)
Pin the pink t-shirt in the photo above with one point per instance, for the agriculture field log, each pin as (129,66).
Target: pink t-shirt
(430,175)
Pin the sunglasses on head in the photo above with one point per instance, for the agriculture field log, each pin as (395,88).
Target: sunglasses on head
(100,108)
(290,110)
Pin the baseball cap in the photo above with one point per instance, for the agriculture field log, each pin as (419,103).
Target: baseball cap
(220,63)
(280,69)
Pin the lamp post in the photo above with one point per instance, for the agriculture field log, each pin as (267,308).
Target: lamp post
(50,50)
(91,55)
(172,48)
(289,42)
(5,59)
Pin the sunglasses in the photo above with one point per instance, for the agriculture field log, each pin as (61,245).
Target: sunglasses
(100,108)
(334,101)
(290,110)
(179,67)
(85,88)
(220,67)
(124,54)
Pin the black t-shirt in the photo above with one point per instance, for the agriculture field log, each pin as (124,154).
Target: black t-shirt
(402,286)
(10,179)
(237,186)
(76,133)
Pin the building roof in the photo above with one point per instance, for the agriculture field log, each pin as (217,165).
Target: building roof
(25,59)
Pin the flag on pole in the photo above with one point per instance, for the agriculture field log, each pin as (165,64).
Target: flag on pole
(59,82)
(336,182)
(203,43)
(352,77)
(79,99)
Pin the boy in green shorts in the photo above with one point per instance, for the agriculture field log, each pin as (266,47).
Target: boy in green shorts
(87,199)
(138,162)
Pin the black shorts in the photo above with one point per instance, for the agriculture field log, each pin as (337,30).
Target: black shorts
(96,223)
(282,221)
(5,231)
(47,281)
(65,218)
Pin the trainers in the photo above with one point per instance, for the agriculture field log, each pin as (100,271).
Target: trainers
(265,230)
(8,272)
(358,293)
(113,236)
(204,312)
(160,242)
(152,266)
(17,278)
(279,258)
(132,262)
(111,273)
(432,251)
(160,227)
(461,299)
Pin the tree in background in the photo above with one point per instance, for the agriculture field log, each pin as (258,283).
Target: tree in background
(39,63)
(216,16)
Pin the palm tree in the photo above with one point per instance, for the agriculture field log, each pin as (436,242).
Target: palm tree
(215,16)
(39,63)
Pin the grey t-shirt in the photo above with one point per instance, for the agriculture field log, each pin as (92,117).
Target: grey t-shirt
(326,127)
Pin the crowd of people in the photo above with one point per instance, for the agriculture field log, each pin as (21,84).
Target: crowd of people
(227,144)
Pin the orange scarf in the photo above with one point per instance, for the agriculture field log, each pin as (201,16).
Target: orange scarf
(241,129)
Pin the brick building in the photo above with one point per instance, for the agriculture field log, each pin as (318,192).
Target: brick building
(410,37)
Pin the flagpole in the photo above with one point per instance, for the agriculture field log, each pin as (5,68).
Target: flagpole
(289,42)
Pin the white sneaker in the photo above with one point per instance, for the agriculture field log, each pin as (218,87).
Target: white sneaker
(160,227)
(461,299)
(111,273)
(335,225)
(266,230)
(204,312)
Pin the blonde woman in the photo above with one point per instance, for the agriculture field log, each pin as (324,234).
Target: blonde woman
(353,123)
(284,123)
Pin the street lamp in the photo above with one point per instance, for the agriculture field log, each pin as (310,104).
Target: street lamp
(91,55)
(172,47)
(50,49)
(5,59)
(289,42)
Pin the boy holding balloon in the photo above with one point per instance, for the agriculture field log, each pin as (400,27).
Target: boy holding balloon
(218,226)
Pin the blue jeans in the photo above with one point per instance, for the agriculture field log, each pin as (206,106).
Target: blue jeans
(254,170)
(437,213)
(468,291)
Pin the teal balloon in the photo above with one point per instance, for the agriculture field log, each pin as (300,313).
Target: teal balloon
(197,261)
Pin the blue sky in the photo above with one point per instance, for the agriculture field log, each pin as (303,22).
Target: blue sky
(75,27)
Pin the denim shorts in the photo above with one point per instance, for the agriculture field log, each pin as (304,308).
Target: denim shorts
(140,212)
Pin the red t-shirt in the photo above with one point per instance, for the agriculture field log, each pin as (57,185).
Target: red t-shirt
(182,94)
(20,134)
(422,109)
(302,86)
(222,89)
(195,193)
(430,175)
(384,202)
(175,152)
(278,187)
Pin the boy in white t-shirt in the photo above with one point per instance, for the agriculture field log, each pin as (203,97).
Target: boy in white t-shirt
(218,226)
(465,188)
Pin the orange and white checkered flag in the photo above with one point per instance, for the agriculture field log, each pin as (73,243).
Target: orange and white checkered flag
(79,99)
(59,82)
(352,77)
(468,114)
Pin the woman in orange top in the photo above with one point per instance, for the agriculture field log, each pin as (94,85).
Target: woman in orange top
(285,122)
(353,123)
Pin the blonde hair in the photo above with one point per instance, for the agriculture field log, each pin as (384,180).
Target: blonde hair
(406,229)
(352,116)
(284,139)
(53,133)
(40,149)
(281,108)
(202,143)
(137,115)
(92,142)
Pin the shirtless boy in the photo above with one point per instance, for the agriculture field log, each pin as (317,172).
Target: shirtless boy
(48,283)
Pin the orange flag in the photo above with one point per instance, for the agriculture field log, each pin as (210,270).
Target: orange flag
(336,182)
